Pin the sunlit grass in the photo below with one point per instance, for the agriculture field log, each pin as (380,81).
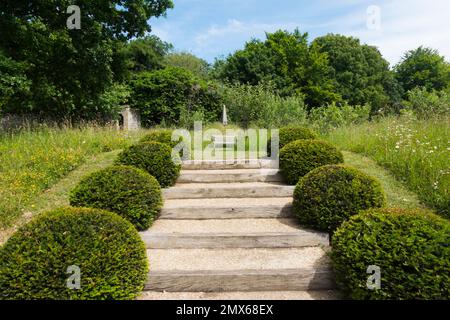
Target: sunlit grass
(417,152)
(33,160)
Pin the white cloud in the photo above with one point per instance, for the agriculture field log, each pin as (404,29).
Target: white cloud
(236,32)
(405,25)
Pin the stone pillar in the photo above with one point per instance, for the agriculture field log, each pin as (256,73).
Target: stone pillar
(131,119)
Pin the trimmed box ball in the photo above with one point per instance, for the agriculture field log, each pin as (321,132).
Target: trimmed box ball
(165,136)
(292,133)
(409,246)
(301,156)
(130,192)
(40,259)
(155,158)
(329,195)
(161,136)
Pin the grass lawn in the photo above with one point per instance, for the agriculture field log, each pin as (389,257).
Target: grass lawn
(398,196)
(417,152)
(32,161)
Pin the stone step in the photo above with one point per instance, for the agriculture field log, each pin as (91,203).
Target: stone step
(230,164)
(239,233)
(227,208)
(229,176)
(236,295)
(203,270)
(229,190)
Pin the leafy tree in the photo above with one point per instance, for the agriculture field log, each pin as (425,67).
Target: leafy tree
(361,75)
(147,54)
(163,96)
(188,61)
(423,67)
(70,70)
(286,60)
(13,81)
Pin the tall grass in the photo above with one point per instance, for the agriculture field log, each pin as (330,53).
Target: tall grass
(33,160)
(416,151)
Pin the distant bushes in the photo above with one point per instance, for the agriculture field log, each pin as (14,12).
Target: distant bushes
(163,96)
(411,248)
(35,262)
(333,116)
(301,156)
(260,106)
(153,157)
(329,195)
(426,105)
(132,193)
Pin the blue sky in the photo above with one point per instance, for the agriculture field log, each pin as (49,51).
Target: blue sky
(215,28)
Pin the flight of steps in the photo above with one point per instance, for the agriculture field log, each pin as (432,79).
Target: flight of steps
(227,232)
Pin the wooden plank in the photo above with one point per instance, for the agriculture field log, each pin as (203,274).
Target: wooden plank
(203,213)
(225,177)
(234,240)
(231,191)
(241,280)
(233,164)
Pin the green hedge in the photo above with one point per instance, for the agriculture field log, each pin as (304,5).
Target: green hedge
(111,256)
(301,156)
(410,246)
(292,133)
(130,192)
(161,136)
(329,195)
(153,157)
(165,136)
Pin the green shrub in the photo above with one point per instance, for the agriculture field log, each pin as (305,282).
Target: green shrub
(153,157)
(261,106)
(426,105)
(132,193)
(410,246)
(329,195)
(161,136)
(111,256)
(300,157)
(329,117)
(163,95)
(292,133)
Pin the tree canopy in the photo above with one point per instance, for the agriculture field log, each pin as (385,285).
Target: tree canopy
(188,61)
(70,70)
(423,67)
(288,61)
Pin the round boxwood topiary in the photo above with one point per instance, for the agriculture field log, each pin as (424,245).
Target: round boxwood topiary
(301,156)
(130,192)
(165,136)
(292,133)
(43,258)
(329,195)
(155,158)
(410,246)
(161,136)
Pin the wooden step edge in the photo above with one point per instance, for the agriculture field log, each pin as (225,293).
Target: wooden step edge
(234,240)
(241,280)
